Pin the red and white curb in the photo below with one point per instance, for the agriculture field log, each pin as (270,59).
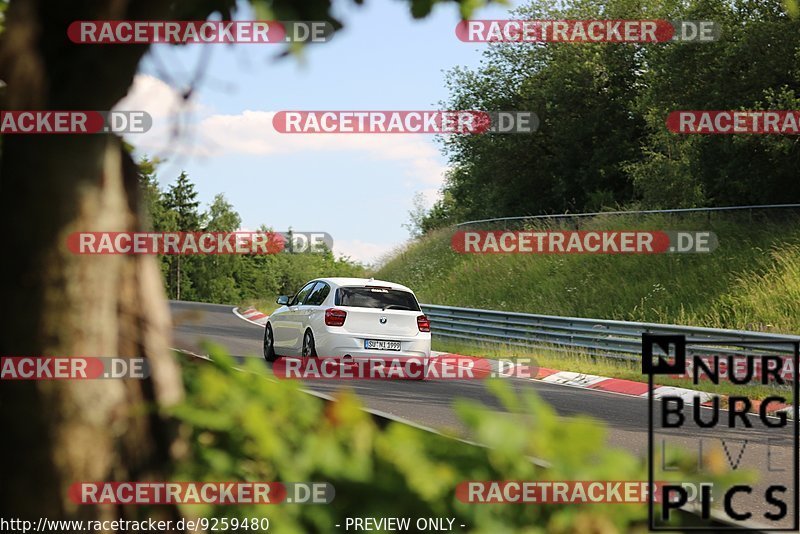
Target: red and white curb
(619,386)
(636,389)
(252,315)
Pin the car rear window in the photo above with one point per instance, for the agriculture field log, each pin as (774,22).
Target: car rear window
(371,297)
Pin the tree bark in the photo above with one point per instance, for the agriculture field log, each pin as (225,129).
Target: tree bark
(57,433)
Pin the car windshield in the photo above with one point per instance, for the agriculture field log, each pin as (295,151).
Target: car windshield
(374,297)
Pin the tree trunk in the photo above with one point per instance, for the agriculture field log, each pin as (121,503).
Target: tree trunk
(57,433)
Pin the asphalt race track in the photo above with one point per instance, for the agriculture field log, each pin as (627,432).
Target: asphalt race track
(429,403)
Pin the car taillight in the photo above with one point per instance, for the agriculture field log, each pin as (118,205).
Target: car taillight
(423,324)
(334,317)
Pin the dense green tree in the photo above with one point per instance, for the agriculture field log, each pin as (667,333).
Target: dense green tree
(753,66)
(221,216)
(215,276)
(602,140)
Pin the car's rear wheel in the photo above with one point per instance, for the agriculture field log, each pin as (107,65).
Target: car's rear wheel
(269,344)
(309,349)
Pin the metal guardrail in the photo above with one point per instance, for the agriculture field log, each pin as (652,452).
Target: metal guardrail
(607,338)
(635,212)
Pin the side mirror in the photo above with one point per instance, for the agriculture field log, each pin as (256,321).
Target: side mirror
(283,300)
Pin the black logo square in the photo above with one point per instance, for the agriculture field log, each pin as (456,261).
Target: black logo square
(664,365)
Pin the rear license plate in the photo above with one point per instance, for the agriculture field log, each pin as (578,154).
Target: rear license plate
(379,344)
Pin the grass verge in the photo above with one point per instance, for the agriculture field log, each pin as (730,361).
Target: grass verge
(585,363)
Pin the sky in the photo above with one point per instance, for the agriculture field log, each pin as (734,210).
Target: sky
(357,187)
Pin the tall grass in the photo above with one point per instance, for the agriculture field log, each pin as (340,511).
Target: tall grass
(751,281)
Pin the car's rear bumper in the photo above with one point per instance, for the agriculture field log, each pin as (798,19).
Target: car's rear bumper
(340,344)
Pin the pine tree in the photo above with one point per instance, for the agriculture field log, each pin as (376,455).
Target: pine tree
(181,199)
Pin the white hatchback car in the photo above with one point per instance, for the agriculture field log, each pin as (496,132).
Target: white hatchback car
(348,318)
